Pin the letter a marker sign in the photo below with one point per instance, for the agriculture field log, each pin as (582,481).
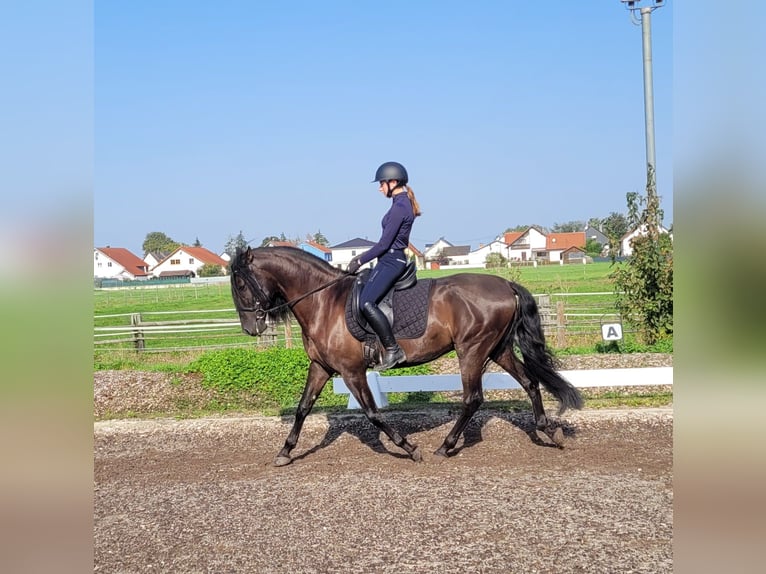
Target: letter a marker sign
(611,331)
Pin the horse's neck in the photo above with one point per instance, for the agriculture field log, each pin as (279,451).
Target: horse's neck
(298,281)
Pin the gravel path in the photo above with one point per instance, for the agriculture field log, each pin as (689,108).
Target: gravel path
(202,495)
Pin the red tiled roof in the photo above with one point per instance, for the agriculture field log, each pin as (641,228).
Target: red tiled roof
(511,236)
(414,250)
(204,255)
(319,246)
(132,263)
(564,240)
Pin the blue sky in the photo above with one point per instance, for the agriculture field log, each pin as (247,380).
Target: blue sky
(270,118)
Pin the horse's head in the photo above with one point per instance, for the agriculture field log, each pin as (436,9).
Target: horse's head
(251,297)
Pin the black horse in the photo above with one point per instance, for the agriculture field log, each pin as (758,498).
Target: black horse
(481,317)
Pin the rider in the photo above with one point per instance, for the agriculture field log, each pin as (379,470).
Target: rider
(389,251)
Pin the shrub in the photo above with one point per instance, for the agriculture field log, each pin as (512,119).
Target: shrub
(276,375)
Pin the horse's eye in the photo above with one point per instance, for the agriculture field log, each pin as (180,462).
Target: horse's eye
(240,283)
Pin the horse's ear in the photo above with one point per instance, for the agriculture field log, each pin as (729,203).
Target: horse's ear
(249,254)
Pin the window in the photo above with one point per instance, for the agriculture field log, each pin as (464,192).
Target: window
(353,253)
(175,262)
(109,264)
(191,260)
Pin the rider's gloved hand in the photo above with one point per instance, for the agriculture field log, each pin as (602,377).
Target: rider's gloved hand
(353,266)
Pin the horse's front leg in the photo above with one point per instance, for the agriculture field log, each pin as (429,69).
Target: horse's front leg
(357,384)
(315,382)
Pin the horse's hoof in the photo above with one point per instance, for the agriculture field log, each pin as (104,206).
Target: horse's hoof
(442,452)
(558,437)
(416,455)
(282,461)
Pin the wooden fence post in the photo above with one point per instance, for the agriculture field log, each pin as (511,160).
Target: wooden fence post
(288,334)
(138,334)
(560,325)
(546,315)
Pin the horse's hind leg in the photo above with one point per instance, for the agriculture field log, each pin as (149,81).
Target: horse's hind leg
(508,361)
(472,400)
(316,380)
(358,387)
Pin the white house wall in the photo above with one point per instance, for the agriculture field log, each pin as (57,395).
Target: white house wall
(107,268)
(433,251)
(186,262)
(342,257)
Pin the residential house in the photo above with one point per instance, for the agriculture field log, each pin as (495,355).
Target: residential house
(186,262)
(478,257)
(591,233)
(456,255)
(432,252)
(343,253)
(558,243)
(118,263)
(626,248)
(317,249)
(529,245)
(414,254)
(153,258)
(442,252)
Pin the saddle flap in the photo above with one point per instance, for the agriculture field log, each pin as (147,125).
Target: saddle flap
(406,280)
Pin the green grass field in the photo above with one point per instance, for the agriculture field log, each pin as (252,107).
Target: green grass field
(576,278)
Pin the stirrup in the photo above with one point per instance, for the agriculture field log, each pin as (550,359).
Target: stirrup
(392,357)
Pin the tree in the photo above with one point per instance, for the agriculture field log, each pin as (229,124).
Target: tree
(156,241)
(595,223)
(524,228)
(234,243)
(614,226)
(320,239)
(644,282)
(197,243)
(568,227)
(593,247)
(210,270)
(495,260)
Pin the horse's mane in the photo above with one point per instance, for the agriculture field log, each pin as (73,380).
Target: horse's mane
(276,301)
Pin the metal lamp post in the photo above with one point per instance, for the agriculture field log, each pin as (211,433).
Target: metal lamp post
(645,22)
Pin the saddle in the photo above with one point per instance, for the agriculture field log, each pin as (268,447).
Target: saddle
(405,306)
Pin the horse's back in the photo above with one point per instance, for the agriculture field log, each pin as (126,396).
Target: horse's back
(473,284)
(475,290)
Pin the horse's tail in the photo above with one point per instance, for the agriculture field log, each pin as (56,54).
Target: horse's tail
(539,364)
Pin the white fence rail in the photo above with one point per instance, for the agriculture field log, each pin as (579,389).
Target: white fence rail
(380,385)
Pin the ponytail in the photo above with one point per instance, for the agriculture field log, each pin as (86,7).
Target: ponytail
(413,201)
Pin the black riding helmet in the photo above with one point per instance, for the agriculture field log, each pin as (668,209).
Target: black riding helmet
(392,170)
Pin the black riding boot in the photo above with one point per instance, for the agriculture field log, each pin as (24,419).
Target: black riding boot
(377,320)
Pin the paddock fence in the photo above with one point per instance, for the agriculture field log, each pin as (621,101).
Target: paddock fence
(569,319)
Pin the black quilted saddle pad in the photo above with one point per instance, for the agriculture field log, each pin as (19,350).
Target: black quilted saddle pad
(410,312)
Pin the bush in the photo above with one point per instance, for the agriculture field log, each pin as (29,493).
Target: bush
(276,375)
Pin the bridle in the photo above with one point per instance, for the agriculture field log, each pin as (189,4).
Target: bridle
(255,287)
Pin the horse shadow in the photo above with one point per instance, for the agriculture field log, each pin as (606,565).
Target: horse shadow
(408,422)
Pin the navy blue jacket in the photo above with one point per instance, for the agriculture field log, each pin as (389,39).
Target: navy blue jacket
(397,224)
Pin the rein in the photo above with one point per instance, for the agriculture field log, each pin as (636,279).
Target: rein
(260,313)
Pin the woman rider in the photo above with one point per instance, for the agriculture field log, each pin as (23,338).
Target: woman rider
(389,251)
